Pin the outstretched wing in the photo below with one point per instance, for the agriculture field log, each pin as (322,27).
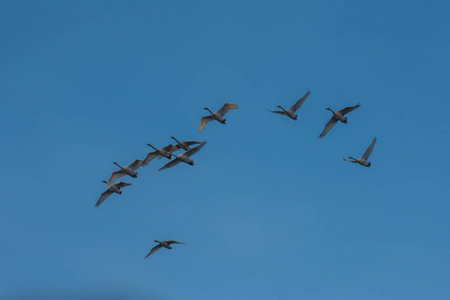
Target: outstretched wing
(170,164)
(174,242)
(226,107)
(277,112)
(135,164)
(114,176)
(170,148)
(194,150)
(149,158)
(204,121)
(300,101)
(122,185)
(103,197)
(348,109)
(189,143)
(369,150)
(154,249)
(328,126)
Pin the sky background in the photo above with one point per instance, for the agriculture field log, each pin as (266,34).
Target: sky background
(269,211)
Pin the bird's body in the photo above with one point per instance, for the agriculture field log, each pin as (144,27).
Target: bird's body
(363,159)
(218,115)
(291,111)
(184,144)
(111,190)
(337,116)
(160,152)
(183,157)
(129,170)
(165,244)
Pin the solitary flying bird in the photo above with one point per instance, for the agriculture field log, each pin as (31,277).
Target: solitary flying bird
(111,190)
(129,170)
(291,111)
(165,244)
(183,157)
(363,159)
(218,115)
(337,116)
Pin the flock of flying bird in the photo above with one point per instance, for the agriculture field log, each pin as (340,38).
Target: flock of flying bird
(167,151)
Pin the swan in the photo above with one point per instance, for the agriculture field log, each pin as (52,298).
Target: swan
(363,159)
(218,115)
(165,244)
(337,116)
(111,190)
(184,145)
(166,151)
(183,157)
(129,170)
(291,111)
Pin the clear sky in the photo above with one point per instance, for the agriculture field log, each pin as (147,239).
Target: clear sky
(269,211)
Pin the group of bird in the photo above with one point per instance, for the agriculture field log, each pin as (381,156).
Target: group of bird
(167,152)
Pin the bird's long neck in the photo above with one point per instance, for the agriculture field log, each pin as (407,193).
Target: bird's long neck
(119,166)
(331,110)
(209,111)
(279,106)
(156,241)
(176,140)
(152,147)
(354,159)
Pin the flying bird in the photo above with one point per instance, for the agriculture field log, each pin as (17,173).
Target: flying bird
(160,152)
(184,145)
(363,159)
(337,116)
(183,157)
(111,190)
(165,244)
(129,170)
(218,115)
(291,111)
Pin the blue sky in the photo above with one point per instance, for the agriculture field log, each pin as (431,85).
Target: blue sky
(269,211)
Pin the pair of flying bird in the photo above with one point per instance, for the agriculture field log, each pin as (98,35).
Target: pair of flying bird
(130,170)
(337,116)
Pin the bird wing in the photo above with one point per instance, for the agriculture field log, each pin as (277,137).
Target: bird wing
(135,164)
(170,164)
(122,184)
(300,101)
(103,197)
(149,157)
(204,121)
(154,249)
(328,126)
(277,112)
(114,176)
(226,107)
(173,242)
(189,143)
(170,148)
(369,150)
(348,109)
(194,150)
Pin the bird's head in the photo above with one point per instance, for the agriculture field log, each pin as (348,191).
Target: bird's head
(328,108)
(156,241)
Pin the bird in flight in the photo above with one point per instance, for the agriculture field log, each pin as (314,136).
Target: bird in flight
(165,244)
(218,115)
(184,157)
(363,159)
(129,170)
(111,190)
(290,112)
(337,116)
